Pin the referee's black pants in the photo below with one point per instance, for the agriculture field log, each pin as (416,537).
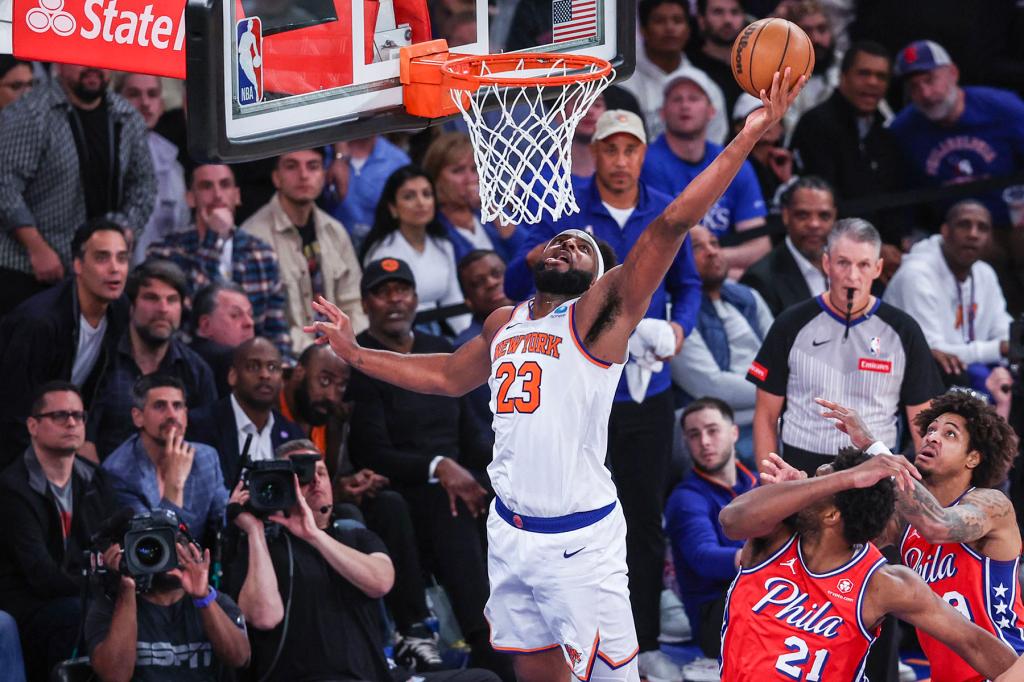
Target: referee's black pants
(639,451)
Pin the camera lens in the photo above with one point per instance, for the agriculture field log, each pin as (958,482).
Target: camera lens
(270,494)
(149,551)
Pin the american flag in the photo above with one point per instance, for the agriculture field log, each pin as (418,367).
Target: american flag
(573,19)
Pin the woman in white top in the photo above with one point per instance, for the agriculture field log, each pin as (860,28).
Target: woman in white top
(406,227)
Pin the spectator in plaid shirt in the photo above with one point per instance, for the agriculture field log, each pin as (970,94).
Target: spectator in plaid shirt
(69,152)
(155,290)
(158,469)
(215,250)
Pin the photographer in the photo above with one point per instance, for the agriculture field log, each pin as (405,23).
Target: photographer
(311,590)
(52,501)
(180,628)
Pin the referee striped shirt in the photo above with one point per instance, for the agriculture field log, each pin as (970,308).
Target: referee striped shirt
(882,364)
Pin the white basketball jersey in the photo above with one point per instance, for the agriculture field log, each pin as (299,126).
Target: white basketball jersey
(551,401)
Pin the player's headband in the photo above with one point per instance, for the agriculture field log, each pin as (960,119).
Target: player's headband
(580,234)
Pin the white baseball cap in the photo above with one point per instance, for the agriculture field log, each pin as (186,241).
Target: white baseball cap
(619,121)
(695,76)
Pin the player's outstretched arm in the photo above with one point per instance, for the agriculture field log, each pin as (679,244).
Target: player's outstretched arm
(451,374)
(650,258)
(901,592)
(977,515)
(759,512)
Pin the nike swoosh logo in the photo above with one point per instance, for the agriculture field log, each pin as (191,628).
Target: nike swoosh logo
(572,554)
(820,343)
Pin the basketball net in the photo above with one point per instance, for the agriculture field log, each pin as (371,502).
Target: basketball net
(522,117)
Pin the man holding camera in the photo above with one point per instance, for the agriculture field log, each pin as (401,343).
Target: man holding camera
(179,628)
(310,590)
(158,469)
(52,502)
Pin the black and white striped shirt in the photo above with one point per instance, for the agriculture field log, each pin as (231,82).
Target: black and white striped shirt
(882,364)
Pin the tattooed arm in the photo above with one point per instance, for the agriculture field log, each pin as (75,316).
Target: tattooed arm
(975,517)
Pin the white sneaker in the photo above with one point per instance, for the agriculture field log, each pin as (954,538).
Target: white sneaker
(658,667)
(702,670)
(675,626)
(907,673)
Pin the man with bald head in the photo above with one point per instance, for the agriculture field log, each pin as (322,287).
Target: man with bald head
(956,298)
(69,151)
(248,413)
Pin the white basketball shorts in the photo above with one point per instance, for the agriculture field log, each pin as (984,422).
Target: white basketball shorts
(564,589)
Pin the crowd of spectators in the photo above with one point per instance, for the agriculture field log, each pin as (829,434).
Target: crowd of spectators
(152,315)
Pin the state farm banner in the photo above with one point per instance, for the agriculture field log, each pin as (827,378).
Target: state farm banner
(143,36)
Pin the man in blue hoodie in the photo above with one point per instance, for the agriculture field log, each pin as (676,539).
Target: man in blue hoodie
(706,560)
(616,206)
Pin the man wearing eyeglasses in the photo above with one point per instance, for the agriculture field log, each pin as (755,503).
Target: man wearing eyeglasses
(52,502)
(255,379)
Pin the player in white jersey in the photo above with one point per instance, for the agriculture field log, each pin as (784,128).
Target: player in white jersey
(557,552)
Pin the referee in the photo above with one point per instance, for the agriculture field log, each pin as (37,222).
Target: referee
(844,342)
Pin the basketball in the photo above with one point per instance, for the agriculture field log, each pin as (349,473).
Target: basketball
(767,46)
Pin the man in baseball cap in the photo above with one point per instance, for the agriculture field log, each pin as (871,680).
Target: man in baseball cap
(385,270)
(953,134)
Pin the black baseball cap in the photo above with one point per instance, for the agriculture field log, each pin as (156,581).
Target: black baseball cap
(384,270)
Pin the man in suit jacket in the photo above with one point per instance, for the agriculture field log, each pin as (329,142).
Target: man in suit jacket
(255,379)
(791,272)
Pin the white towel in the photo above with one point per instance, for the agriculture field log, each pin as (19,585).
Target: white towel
(652,339)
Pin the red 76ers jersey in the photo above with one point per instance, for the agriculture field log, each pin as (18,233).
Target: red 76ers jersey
(783,622)
(983,590)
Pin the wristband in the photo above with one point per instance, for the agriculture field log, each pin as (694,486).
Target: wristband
(877,448)
(207,600)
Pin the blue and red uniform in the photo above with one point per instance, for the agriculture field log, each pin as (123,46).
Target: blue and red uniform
(783,622)
(983,590)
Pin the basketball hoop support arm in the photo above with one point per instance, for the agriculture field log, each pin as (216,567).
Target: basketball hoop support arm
(426,92)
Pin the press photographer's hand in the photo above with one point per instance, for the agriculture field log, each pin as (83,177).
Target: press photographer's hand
(193,569)
(245,520)
(300,521)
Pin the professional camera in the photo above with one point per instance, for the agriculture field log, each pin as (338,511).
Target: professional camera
(150,544)
(270,484)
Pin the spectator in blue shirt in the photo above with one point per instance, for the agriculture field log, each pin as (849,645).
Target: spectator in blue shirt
(449,163)
(951,134)
(706,561)
(356,178)
(616,206)
(683,151)
(158,469)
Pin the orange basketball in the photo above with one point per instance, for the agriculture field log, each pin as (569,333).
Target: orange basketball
(767,46)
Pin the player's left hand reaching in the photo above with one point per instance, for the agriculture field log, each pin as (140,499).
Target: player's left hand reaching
(847,421)
(775,103)
(336,330)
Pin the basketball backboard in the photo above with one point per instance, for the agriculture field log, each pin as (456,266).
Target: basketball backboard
(268,76)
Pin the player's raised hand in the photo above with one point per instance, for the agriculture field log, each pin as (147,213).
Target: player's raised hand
(336,330)
(776,470)
(848,421)
(775,103)
(895,467)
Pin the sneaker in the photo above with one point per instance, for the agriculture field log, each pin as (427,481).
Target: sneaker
(907,674)
(417,650)
(656,666)
(675,626)
(701,670)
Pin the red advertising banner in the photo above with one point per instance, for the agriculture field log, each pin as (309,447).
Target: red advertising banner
(144,36)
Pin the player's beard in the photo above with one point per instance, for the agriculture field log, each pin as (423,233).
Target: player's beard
(572,282)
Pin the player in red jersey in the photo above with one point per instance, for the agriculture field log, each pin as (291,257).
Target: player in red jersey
(953,529)
(812,592)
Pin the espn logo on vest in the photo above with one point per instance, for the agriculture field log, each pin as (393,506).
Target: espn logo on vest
(873,365)
(137,35)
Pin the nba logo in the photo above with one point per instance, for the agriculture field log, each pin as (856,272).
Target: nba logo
(249,56)
(875,345)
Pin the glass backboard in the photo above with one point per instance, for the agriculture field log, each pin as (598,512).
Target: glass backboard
(268,76)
